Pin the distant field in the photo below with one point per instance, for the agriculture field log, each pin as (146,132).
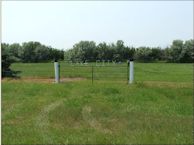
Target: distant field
(156,109)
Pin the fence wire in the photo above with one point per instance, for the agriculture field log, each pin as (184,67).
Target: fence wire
(92,72)
(113,73)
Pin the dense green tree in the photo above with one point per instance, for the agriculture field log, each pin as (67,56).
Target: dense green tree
(120,50)
(187,52)
(176,49)
(15,50)
(29,51)
(156,54)
(41,53)
(6,60)
(55,54)
(128,53)
(36,52)
(180,51)
(143,54)
(102,51)
(84,50)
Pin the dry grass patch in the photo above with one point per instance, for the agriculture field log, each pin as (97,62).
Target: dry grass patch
(161,84)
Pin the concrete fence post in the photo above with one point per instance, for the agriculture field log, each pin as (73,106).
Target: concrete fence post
(57,76)
(131,70)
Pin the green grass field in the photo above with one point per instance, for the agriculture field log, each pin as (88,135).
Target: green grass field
(156,109)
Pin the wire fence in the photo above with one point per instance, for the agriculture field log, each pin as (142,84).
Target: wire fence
(111,73)
(90,71)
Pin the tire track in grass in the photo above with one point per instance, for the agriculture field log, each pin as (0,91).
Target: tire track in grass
(42,121)
(86,113)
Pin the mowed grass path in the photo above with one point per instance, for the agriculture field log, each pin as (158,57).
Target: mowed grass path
(156,109)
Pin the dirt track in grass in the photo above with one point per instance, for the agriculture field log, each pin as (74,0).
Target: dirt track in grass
(41,80)
(42,121)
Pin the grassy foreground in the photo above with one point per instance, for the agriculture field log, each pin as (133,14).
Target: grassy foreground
(156,109)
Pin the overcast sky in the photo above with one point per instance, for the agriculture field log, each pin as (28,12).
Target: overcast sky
(61,24)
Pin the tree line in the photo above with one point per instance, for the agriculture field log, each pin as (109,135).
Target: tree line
(179,52)
(31,52)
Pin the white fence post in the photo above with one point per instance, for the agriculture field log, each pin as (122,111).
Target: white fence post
(56,67)
(131,74)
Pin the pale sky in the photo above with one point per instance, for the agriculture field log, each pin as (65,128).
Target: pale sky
(61,24)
